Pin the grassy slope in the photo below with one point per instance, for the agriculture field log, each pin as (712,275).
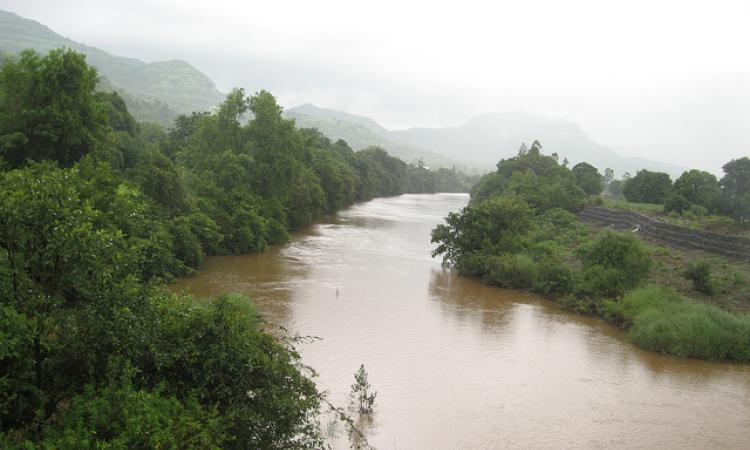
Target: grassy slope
(669,316)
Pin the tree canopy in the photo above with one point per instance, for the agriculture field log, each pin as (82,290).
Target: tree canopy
(648,187)
(588,178)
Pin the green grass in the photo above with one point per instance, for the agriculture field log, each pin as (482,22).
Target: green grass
(662,320)
(650,208)
(712,222)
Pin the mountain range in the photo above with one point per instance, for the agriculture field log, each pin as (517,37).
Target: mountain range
(479,143)
(159,91)
(155,91)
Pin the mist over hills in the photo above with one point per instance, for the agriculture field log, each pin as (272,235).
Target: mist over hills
(159,91)
(481,142)
(156,91)
(361,132)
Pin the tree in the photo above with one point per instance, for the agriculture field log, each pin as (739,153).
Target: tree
(735,188)
(609,177)
(361,395)
(700,188)
(48,109)
(648,187)
(615,188)
(494,226)
(588,178)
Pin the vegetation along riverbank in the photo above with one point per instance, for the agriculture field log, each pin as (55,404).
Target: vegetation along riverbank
(97,211)
(520,231)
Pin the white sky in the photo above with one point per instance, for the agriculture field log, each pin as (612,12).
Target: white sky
(666,80)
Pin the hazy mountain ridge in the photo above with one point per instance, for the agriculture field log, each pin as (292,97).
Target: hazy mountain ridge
(311,110)
(154,90)
(483,140)
(361,132)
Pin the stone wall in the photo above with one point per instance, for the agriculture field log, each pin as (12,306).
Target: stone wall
(737,247)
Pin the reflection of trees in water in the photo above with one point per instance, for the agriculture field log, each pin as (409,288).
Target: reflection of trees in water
(467,300)
(269,279)
(534,319)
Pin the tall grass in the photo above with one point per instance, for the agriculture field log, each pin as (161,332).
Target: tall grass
(662,320)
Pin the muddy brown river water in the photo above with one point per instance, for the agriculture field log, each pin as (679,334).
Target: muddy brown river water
(460,365)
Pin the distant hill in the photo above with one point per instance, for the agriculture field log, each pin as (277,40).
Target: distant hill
(338,116)
(361,132)
(485,139)
(153,91)
(480,143)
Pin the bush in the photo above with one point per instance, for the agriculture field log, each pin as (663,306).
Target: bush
(612,264)
(515,271)
(698,210)
(553,277)
(217,348)
(676,203)
(661,320)
(580,305)
(700,274)
(122,416)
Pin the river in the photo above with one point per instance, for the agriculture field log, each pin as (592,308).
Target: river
(460,365)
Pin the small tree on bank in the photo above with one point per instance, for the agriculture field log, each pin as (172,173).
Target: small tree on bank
(361,396)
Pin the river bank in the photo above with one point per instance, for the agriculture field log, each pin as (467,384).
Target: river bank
(459,364)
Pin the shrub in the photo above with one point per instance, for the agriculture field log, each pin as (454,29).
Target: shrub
(661,320)
(613,263)
(580,305)
(218,349)
(676,203)
(700,274)
(516,271)
(698,210)
(553,277)
(123,416)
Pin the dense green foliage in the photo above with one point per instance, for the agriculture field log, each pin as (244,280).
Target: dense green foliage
(699,188)
(648,187)
(48,109)
(96,210)
(612,264)
(91,354)
(695,193)
(511,234)
(661,320)
(510,237)
(735,187)
(588,178)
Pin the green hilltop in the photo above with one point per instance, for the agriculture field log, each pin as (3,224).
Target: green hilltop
(155,92)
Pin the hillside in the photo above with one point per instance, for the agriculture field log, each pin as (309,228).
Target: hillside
(361,132)
(155,91)
(480,143)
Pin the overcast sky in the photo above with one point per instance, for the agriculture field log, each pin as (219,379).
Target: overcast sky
(666,80)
